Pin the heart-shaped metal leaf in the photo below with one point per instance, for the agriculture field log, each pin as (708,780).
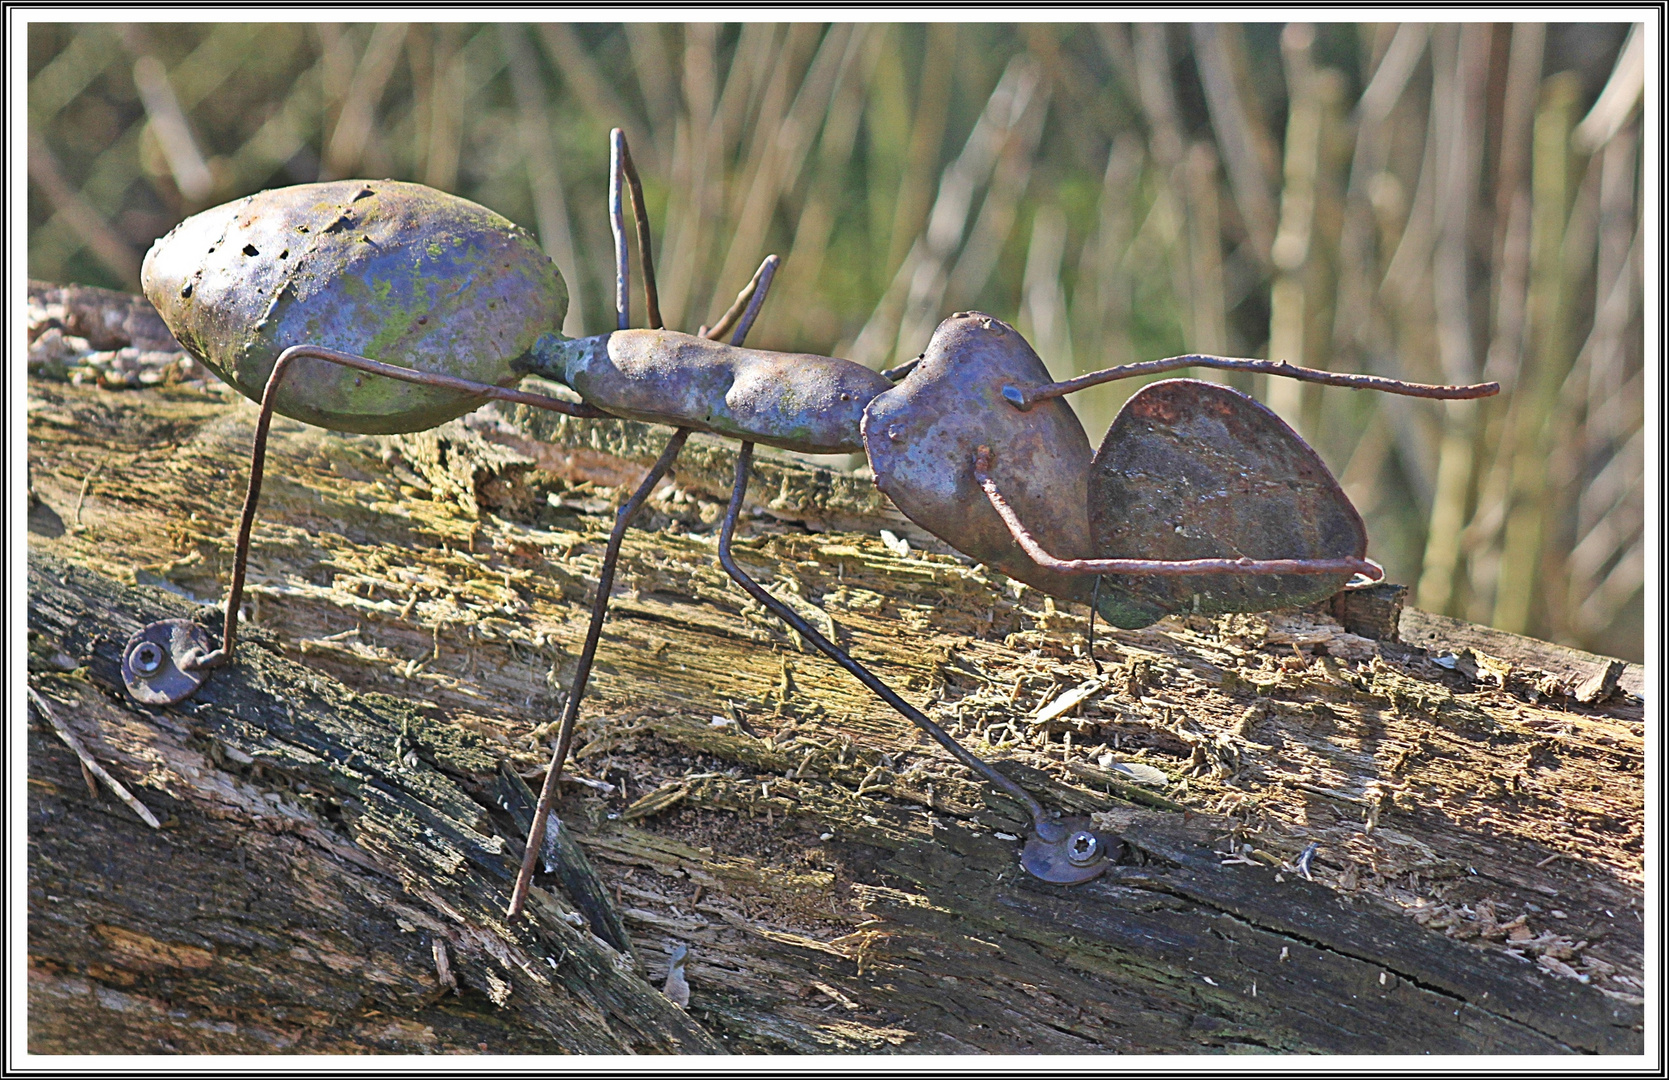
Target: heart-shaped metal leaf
(1196,470)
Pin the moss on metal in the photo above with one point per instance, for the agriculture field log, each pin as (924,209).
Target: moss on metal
(397,272)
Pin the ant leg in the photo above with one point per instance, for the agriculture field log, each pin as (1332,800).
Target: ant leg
(1024,397)
(617,226)
(744,302)
(582,674)
(1029,544)
(762,279)
(258,452)
(202,659)
(744,461)
(640,213)
(757,289)
(899,373)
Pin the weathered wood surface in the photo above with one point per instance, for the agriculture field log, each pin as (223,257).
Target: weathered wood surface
(333,818)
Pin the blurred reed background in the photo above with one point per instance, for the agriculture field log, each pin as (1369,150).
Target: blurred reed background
(1444,203)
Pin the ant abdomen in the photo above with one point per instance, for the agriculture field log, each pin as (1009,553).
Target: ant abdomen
(397,272)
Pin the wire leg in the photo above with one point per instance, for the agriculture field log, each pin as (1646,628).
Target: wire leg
(761,281)
(744,461)
(582,674)
(766,273)
(640,213)
(246,522)
(258,455)
(617,226)
(1168,567)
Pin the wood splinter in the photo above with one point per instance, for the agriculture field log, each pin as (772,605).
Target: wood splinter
(443,966)
(89,764)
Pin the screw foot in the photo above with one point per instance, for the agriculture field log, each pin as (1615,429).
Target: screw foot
(156,661)
(1068,851)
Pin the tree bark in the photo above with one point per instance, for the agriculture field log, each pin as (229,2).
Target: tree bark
(341,808)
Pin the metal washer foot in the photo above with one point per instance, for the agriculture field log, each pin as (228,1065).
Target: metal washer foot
(153,661)
(1068,851)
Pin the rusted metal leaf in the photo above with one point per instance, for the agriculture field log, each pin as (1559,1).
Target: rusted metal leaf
(397,272)
(1195,470)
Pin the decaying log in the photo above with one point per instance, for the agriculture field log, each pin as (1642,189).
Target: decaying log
(340,816)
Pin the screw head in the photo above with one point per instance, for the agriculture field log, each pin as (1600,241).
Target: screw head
(1082,848)
(147,658)
(1066,851)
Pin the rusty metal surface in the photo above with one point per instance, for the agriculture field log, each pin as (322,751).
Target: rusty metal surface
(922,436)
(397,272)
(795,401)
(1195,470)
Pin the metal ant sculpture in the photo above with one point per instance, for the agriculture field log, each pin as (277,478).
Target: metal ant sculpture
(1198,500)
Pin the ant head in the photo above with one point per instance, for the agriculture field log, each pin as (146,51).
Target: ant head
(922,435)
